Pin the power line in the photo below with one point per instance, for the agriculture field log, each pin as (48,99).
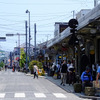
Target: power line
(9,20)
(34,15)
(51,18)
(45,31)
(42,25)
(42,4)
(9,28)
(10,24)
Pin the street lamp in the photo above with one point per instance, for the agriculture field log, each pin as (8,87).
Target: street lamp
(27,11)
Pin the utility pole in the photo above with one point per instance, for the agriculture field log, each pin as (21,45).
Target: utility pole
(26,44)
(18,44)
(35,41)
(73,13)
(27,11)
(29,36)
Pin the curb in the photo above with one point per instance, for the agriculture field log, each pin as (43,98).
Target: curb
(33,75)
(78,94)
(90,97)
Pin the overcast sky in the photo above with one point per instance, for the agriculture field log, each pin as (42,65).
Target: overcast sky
(43,12)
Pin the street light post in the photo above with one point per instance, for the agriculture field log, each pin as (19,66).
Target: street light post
(26,44)
(27,11)
(35,41)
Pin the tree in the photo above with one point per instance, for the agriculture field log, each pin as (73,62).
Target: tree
(22,58)
(1,64)
(31,64)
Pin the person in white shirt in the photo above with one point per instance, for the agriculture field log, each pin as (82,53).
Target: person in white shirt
(94,71)
(71,75)
(35,68)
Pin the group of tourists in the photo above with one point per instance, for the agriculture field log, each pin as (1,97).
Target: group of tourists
(66,72)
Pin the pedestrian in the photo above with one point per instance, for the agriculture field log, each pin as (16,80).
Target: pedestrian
(69,63)
(94,71)
(71,74)
(98,72)
(6,67)
(63,73)
(13,68)
(86,78)
(97,65)
(35,69)
(58,70)
(67,76)
(52,69)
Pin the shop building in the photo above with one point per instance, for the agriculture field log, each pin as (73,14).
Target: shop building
(88,34)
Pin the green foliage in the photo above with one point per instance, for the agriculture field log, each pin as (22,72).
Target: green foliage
(2,64)
(31,64)
(22,58)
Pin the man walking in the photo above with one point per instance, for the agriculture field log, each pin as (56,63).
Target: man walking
(5,67)
(35,68)
(63,73)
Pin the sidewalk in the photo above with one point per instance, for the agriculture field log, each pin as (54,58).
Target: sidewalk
(70,88)
(67,88)
(58,81)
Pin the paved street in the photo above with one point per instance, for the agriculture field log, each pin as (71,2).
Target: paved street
(19,86)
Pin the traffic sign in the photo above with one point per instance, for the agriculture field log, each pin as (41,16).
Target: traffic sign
(2,38)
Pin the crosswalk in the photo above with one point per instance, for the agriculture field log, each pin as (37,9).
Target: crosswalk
(2,95)
(23,90)
(36,95)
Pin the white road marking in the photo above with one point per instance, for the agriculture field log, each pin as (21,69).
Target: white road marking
(59,95)
(19,95)
(2,95)
(40,95)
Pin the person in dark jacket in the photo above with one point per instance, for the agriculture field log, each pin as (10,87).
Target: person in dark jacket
(6,67)
(71,72)
(63,73)
(86,78)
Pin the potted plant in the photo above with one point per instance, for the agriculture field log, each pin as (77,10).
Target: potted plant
(31,64)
